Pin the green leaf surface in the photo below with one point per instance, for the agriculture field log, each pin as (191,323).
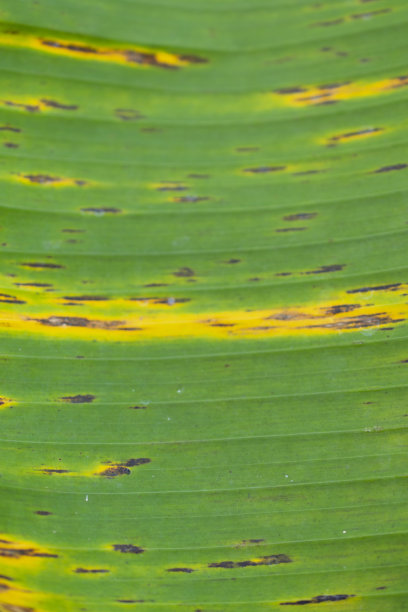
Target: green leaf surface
(203,297)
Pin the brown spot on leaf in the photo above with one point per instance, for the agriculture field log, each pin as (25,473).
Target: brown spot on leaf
(290,90)
(184,272)
(290,229)
(299,216)
(390,168)
(55,321)
(83,570)
(340,308)
(18,552)
(316,600)
(119,469)
(101,210)
(72,231)
(128,114)
(43,512)
(325,269)
(358,322)
(55,104)
(361,132)
(186,570)
(325,24)
(191,199)
(10,299)
(9,128)
(128,548)
(11,145)
(42,264)
(33,284)
(53,471)
(391,287)
(30,108)
(86,298)
(267,560)
(78,399)
(371,14)
(265,169)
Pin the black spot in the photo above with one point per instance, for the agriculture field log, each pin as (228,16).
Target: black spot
(290,229)
(55,104)
(54,471)
(356,133)
(69,46)
(101,210)
(33,284)
(82,570)
(186,570)
(55,321)
(43,513)
(300,216)
(86,298)
(128,548)
(339,308)
(78,399)
(267,560)
(9,128)
(290,90)
(10,299)
(263,169)
(326,24)
(10,145)
(233,261)
(184,272)
(140,461)
(317,599)
(128,114)
(391,287)
(138,407)
(47,265)
(324,269)
(73,231)
(191,199)
(390,168)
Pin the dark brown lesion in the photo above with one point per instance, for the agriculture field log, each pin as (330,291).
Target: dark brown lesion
(390,168)
(326,269)
(390,287)
(362,132)
(128,548)
(10,299)
(120,469)
(16,552)
(185,570)
(59,105)
(128,114)
(316,600)
(300,216)
(101,210)
(184,272)
(266,560)
(78,399)
(340,308)
(41,264)
(53,471)
(9,128)
(66,321)
(357,322)
(30,108)
(265,169)
(83,570)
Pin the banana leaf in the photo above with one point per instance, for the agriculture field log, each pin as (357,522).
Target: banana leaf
(203,305)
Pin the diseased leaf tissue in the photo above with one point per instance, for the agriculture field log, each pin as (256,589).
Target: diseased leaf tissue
(203,305)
